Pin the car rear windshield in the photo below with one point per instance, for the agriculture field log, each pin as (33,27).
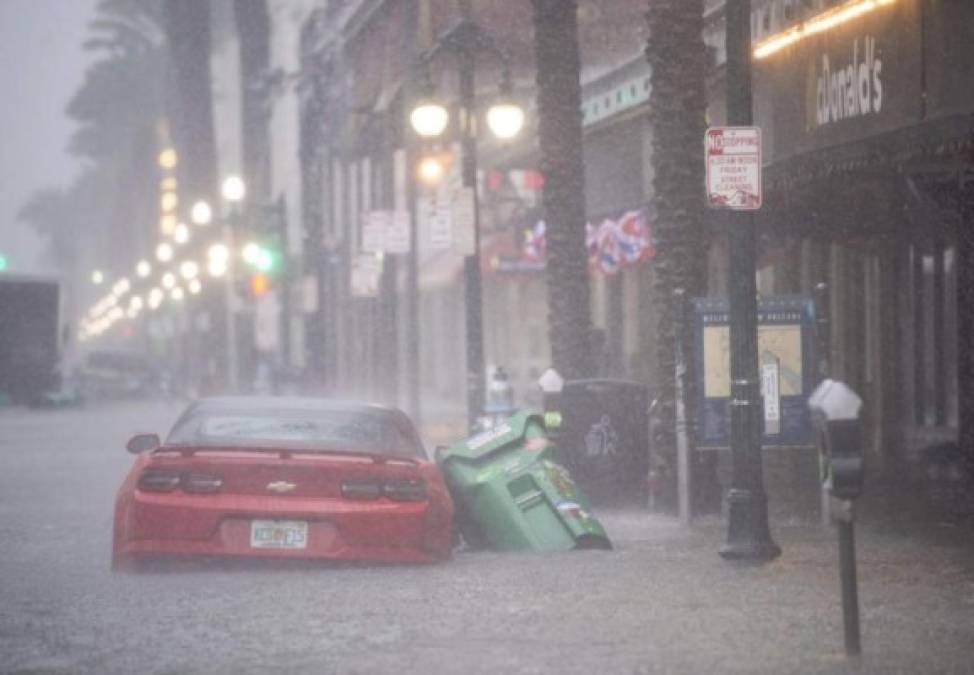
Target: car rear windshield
(304,430)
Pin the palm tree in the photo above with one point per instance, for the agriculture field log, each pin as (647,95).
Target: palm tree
(560,136)
(678,58)
(188,32)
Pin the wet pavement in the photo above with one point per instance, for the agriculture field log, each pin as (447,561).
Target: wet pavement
(662,602)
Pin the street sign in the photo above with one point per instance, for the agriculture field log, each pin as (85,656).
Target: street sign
(366,274)
(734,168)
(385,232)
(464,220)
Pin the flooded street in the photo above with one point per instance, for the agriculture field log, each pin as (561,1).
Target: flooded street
(663,601)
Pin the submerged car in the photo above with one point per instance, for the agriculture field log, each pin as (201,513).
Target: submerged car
(283,478)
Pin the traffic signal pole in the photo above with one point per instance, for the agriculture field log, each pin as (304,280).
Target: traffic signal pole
(748,535)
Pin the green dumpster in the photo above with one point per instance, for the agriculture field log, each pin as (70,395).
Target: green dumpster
(513,495)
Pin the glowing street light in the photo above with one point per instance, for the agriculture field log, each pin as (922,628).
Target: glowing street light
(121,287)
(233,189)
(251,252)
(201,213)
(431,170)
(429,119)
(180,233)
(168,158)
(164,252)
(505,119)
(143,268)
(176,294)
(195,286)
(189,269)
(168,280)
(97,277)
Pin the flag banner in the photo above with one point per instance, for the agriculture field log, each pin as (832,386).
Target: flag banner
(612,245)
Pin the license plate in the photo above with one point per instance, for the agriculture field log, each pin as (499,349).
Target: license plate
(286,534)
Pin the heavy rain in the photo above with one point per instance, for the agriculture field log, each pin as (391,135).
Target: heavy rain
(479,336)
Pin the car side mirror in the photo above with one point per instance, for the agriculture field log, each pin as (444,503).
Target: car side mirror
(142,443)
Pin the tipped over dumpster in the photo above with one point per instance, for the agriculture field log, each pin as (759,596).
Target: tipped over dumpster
(512,494)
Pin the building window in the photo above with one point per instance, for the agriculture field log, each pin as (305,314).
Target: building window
(934,340)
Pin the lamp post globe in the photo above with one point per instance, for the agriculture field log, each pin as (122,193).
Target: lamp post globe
(233,189)
(429,119)
(505,119)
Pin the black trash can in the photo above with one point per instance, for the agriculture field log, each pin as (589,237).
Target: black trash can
(604,439)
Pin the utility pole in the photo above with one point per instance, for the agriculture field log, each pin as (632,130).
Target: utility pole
(748,535)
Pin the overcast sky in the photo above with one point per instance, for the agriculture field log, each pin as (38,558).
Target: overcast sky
(41,64)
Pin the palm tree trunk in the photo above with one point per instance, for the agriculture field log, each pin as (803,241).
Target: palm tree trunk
(188,30)
(677,56)
(560,135)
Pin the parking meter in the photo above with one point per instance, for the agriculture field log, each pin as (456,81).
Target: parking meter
(835,409)
(552,384)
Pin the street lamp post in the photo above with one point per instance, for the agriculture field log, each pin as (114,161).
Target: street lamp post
(466,40)
(748,535)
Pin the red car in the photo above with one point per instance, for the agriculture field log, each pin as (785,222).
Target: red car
(283,478)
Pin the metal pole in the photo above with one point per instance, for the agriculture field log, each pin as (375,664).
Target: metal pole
(231,306)
(850,591)
(474,299)
(748,535)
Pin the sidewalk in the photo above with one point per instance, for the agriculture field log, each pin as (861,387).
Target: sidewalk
(916,591)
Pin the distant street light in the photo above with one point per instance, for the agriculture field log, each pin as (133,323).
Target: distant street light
(168,280)
(143,268)
(164,252)
(195,286)
(168,158)
(176,294)
(97,277)
(431,170)
(180,234)
(201,213)
(250,252)
(188,269)
(233,189)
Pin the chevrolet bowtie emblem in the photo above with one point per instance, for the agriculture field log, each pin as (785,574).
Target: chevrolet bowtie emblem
(281,486)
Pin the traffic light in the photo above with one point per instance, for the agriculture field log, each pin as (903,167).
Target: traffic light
(264,257)
(259,284)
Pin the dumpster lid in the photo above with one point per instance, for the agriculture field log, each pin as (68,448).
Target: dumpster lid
(511,430)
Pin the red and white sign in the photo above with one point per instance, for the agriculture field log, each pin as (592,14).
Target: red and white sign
(734,168)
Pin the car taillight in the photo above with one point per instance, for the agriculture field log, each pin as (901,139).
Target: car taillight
(406,490)
(157,480)
(411,490)
(361,489)
(165,480)
(201,483)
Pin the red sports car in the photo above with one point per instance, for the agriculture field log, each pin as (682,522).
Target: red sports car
(283,478)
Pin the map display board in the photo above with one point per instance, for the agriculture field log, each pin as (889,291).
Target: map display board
(786,353)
